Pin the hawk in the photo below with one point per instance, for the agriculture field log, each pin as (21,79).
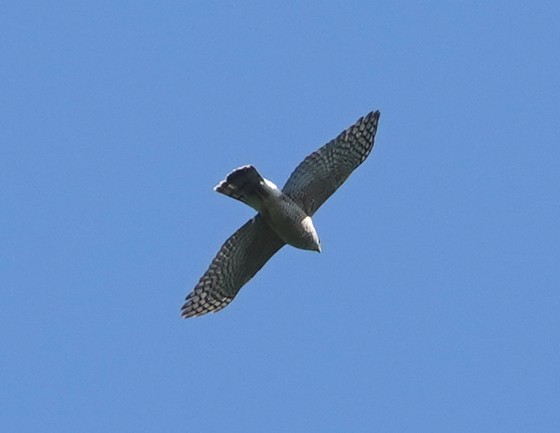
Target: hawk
(284,216)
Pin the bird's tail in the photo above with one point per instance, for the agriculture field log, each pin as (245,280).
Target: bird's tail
(244,184)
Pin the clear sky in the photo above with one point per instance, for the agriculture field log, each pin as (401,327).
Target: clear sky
(435,304)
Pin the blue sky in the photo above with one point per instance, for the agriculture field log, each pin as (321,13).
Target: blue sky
(435,303)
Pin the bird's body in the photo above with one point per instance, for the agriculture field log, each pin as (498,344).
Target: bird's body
(284,216)
(281,213)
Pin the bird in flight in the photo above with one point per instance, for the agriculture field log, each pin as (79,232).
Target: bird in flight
(284,215)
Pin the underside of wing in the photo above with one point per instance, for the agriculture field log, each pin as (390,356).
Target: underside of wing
(238,260)
(321,173)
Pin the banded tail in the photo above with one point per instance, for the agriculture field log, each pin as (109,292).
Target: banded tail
(245,184)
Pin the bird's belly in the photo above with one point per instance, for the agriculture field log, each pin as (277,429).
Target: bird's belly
(286,219)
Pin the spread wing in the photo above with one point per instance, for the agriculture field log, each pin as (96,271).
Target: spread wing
(238,260)
(322,172)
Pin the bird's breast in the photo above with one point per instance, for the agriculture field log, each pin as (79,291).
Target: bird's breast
(290,222)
